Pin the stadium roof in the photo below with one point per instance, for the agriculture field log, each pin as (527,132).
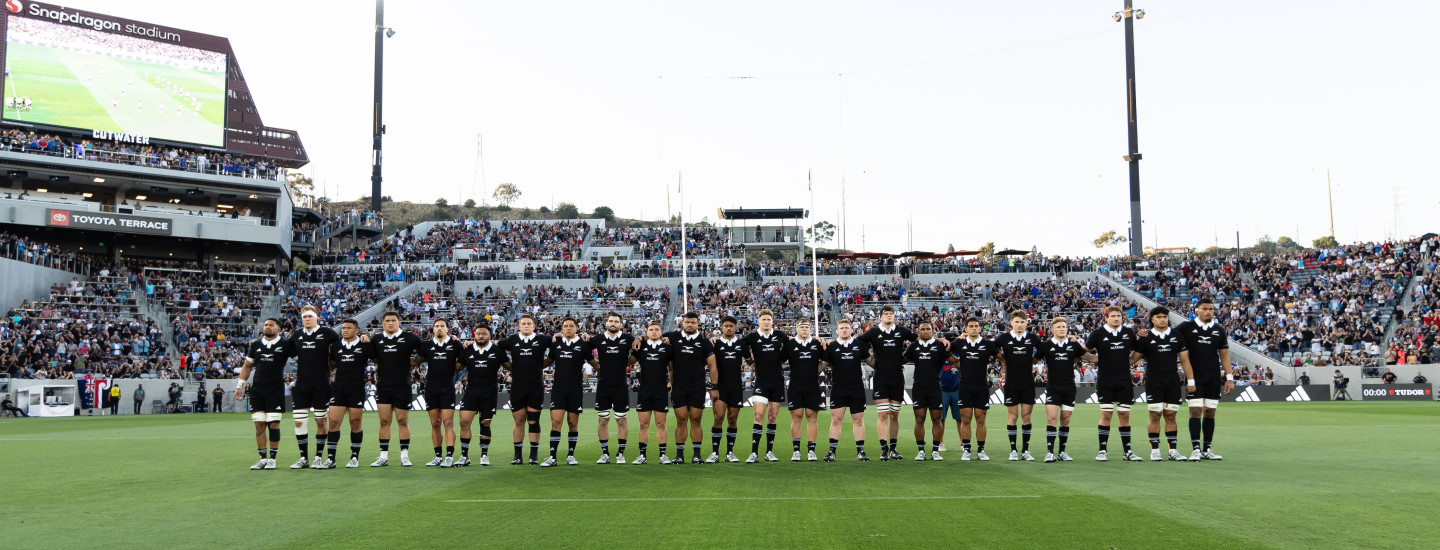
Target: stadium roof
(763,213)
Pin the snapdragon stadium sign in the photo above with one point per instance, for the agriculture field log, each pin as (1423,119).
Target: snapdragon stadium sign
(108,222)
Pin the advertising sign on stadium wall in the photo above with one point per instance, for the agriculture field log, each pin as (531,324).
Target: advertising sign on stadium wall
(108,222)
(1267,394)
(1397,392)
(1245,394)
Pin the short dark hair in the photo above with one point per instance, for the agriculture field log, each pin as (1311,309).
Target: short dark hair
(652,324)
(1159,310)
(440,320)
(692,315)
(268,319)
(486,328)
(887,309)
(1018,314)
(569,319)
(615,315)
(351,322)
(969,320)
(1205,300)
(728,319)
(391,313)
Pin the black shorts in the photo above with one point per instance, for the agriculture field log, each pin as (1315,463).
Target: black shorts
(350,395)
(313,397)
(775,394)
(526,398)
(890,392)
(1115,391)
(1061,395)
(1019,396)
(1168,391)
(847,398)
(732,396)
(974,397)
(656,401)
(479,401)
(570,400)
(439,400)
(612,398)
(926,398)
(693,398)
(806,398)
(1208,389)
(398,397)
(267,400)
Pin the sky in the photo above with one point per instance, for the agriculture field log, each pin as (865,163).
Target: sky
(1000,122)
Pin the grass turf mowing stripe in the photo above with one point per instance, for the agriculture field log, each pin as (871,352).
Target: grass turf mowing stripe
(1278,487)
(727,499)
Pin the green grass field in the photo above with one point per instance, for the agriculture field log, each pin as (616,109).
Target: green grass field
(84,90)
(1312,475)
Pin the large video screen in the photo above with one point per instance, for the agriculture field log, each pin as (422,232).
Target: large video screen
(81,78)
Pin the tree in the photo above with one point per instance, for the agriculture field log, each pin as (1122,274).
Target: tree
(1108,238)
(1287,243)
(604,213)
(567,211)
(1327,241)
(506,194)
(544,210)
(1266,245)
(441,201)
(774,255)
(1213,251)
(301,187)
(988,251)
(950,249)
(469,203)
(820,233)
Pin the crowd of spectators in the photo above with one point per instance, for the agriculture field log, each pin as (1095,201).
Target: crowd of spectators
(701,242)
(1327,304)
(83,327)
(148,156)
(30,251)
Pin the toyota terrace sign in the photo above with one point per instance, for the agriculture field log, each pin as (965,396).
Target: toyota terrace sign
(108,222)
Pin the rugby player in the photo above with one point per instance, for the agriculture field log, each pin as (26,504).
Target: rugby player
(394,350)
(266,356)
(971,355)
(729,392)
(1061,353)
(1017,356)
(845,355)
(349,358)
(612,393)
(767,350)
(887,341)
(483,360)
(527,386)
(929,355)
(1112,349)
(440,354)
(652,355)
(804,354)
(1209,348)
(311,393)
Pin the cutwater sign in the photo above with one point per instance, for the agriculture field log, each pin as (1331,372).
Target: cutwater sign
(108,222)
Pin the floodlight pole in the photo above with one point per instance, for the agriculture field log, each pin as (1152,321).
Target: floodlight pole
(378,128)
(1137,245)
